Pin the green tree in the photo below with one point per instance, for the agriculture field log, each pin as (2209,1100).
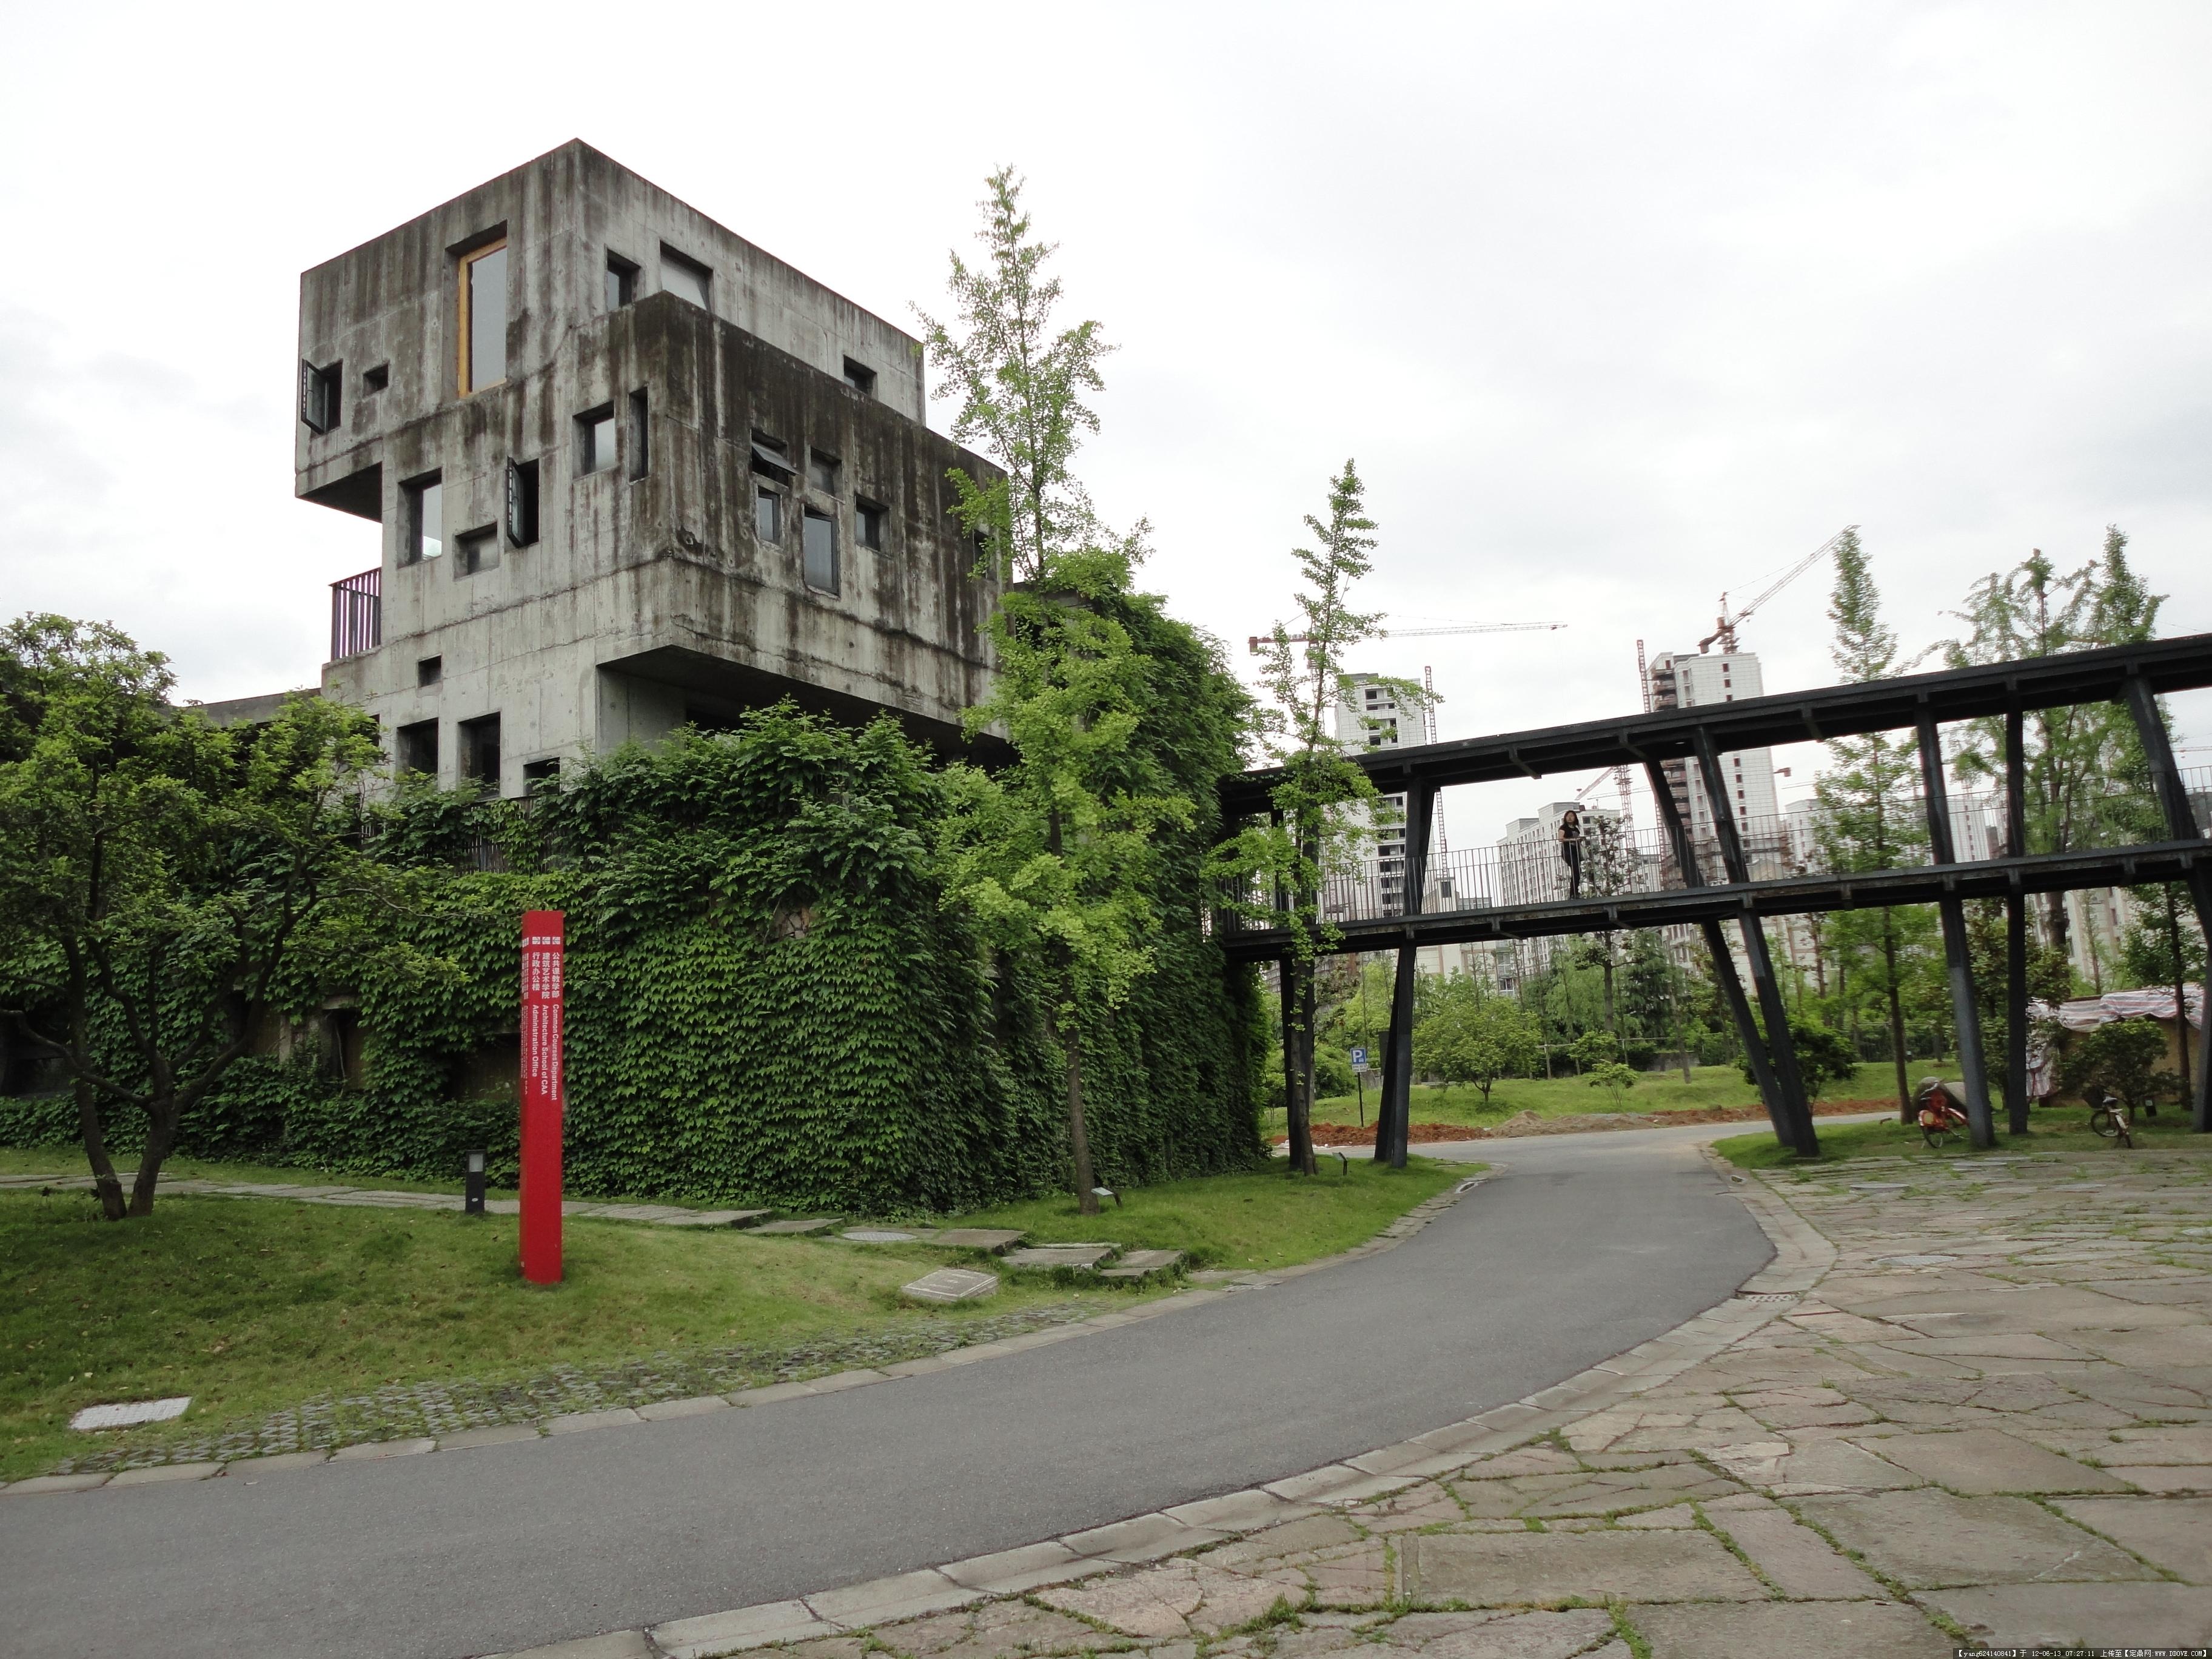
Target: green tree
(1825,1055)
(1868,817)
(1471,1036)
(2122,1057)
(158,875)
(2165,947)
(1054,855)
(1325,808)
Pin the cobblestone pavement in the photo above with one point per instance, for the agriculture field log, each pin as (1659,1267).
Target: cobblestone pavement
(1971,1405)
(440,1410)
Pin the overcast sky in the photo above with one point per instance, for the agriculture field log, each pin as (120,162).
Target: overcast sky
(1617,306)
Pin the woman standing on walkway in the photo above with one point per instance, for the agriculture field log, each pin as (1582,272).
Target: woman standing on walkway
(1571,850)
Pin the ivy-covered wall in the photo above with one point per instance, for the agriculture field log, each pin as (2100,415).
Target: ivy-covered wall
(767,1000)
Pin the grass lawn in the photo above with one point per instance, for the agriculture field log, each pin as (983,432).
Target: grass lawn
(2051,1129)
(1263,1219)
(1709,1086)
(253,1306)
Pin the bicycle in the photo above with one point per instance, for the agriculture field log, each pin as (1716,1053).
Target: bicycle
(2108,1117)
(1942,1117)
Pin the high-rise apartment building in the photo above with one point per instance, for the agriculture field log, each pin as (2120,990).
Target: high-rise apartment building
(1369,719)
(630,471)
(1683,679)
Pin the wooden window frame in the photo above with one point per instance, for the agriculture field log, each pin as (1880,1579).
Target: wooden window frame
(468,323)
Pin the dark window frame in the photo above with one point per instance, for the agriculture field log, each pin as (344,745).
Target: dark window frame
(622,281)
(809,518)
(698,270)
(470,738)
(767,496)
(411,745)
(640,434)
(476,551)
(413,493)
(871,520)
(589,461)
(521,502)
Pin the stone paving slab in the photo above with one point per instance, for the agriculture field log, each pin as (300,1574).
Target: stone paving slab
(1059,1256)
(2085,1615)
(994,1240)
(798,1226)
(1140,1264)
(952,1284)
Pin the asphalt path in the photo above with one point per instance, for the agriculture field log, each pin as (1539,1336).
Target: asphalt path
(1577,1246)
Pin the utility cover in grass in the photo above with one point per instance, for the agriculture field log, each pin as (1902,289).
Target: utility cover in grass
(951,1285)
(134,1410)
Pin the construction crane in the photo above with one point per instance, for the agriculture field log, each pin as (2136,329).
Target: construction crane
(1256,640)
(1724,625)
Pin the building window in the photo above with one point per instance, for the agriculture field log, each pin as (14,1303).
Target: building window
(772,456)
(476,552)
(821,552)
(595,439)
(641,431)
(429,670)
(426,519)
(821,471)
(480,752)
(868,521)
(622,281)
(768,514)
(521,502)
(418,747)
(483,317)
(685,278)
(376,379)
(537,774)
(859,377)
(318,395)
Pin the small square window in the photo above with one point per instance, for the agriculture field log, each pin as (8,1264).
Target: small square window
(416,748)
(476,552)
(426,519)
(376,379)
(821,471)
(768,514)
(820,552)
(480,752)
(429,670)
(868,518)
(537,773)
(595,441)
(686,279)
(859,377)
(622,281)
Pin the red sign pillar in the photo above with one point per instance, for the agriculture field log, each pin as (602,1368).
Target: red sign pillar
(541,1095)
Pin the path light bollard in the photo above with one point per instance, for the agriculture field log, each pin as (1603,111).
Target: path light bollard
(472,1195)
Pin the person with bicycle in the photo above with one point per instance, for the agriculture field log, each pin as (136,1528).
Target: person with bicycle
(1942,1109)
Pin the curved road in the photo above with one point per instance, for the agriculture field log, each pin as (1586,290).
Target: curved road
(1577,1247)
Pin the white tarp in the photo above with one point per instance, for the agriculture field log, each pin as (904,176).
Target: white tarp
(2086,1014)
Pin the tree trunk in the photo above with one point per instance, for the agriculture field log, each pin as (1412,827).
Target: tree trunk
(1896,1022)
(1078,1136)
(1611,1028)
(104,1181)
(1298,1071)
(2180,1004)
(161,1137)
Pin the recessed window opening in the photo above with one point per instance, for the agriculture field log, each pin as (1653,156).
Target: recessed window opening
(376,379)
(483,317)
(318,395)
(820,552)
(868,518)
(477,551)
(521,502)
(686,279)
(821,471)
(426,519)
(768,514)
(429,670)
(772,456)
(595,439)
(416,748)
(537,773)
(622,281)
(640,434)
(480,752)
(860,376)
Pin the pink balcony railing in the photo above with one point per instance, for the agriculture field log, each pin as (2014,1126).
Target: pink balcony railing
(357,614)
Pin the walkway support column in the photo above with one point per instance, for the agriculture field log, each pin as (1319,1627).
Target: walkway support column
(1394,1119)
(2181,825)
(1965,1011)
(2015,1086)
(1782,1048)
(1724,973)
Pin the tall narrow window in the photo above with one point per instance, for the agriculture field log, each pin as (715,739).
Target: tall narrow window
(868,522)
(595,441)
(622,281)
(821,471)
(521,502)
(768,514)
(480,752)
(686,279)
(641,433)
(821,552)
(484,317)
(318,396)
(426,519)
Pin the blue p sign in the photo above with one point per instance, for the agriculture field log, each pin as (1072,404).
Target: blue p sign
(1359,1059)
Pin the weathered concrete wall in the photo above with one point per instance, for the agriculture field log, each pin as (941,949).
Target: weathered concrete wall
(647,599)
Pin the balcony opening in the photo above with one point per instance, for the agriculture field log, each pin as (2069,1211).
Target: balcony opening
(357,614)
(483,317)
(820,552)
(416,748)
(480,752)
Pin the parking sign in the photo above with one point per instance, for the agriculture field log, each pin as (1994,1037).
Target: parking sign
(1359,1059)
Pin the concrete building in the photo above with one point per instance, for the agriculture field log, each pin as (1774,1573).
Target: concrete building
(1369,719)
(631,471)
(1682,679)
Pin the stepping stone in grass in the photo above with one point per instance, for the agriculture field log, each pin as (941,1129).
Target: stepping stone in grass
(714,1219)
(136,1411)
(821,1224)
(996,1239)
(1137,1263)
(879,1236)
(950,1284)
(1061,1256)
